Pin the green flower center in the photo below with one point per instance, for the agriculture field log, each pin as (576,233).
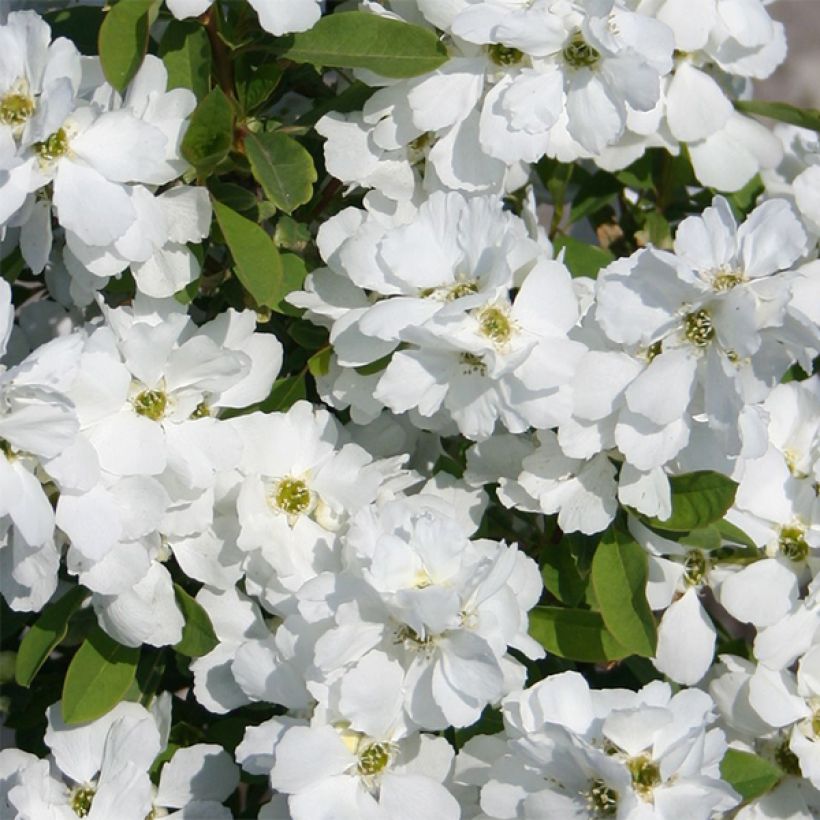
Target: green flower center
(646,774)
(52,147)
(15,109)
(578,53)
(81,798)
(151,404)
(694,567)
(374,758)
(792,543)
(653,351)
(602,801)
(698,328)
(202,411)
(504,55)
(495,324)
(292,496)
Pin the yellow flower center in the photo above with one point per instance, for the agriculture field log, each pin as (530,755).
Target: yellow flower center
(16,108)
(495,324)
(292,496)
(792,543)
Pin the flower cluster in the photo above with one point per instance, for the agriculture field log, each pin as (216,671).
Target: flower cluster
(489,491)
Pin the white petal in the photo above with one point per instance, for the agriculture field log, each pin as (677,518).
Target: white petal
(686,641)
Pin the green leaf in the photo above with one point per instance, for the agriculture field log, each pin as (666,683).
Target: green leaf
(254,84)
(198,636)
(582,259)
(698,499)
(560,573)
(319,362)
(356,39)
(293,277)
(123,40)
(234,196)
(620,569)
(45,634)
(577,634)
(283,168)
(307,335)
(257,262)
(186,52)
(285,393)
(98,677)
(749,775)
(209,137)
(735,535)
(783,112)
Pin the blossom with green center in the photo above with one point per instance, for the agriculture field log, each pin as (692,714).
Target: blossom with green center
(646,774)
(81,799)
(602,800)
(504,55)
(698,328)
(727,278)
(16,109)
(792,543)
(374,758)
(495,324)
(292,496)
(578,53)
(53,147)
(694,567)
(151,404)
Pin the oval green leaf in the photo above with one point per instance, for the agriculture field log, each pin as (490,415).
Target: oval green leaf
(749,775)
(123,40)
(285,393)
(209,137)
(45,634)
(619,574)
(356,39)
(258,265)
(98,677)
(198,636)
(576,634)
(186,52)
(283,168)
(698,499)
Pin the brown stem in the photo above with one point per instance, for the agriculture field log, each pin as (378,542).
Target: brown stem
(222,59)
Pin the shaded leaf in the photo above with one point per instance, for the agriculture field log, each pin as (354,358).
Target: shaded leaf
(285,393)
(186,52)
(45,634)
(209,137)
(198,636)
(98,677)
